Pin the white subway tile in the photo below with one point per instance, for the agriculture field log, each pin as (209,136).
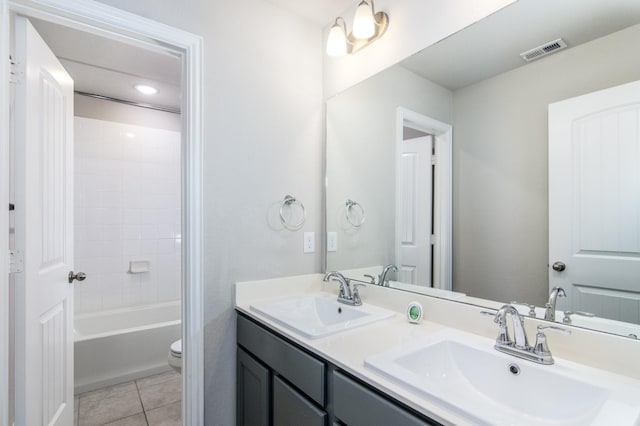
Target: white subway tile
(127,207)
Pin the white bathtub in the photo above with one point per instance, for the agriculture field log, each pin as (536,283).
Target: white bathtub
(116,346)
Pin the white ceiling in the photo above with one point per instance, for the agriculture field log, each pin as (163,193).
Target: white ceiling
(493,45)
(489,47)
(110,68)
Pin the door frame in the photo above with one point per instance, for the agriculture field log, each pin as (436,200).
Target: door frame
(106,21)
(442,197)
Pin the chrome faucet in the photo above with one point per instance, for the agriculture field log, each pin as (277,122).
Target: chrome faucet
(382,278)
(520,347)
(519,334)
(550,312)
(346,296)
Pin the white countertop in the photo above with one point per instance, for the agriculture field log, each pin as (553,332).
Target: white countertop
(348,349)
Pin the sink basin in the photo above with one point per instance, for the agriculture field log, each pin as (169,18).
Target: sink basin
(319,315)
(465,373)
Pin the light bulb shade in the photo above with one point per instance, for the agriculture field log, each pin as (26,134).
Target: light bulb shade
(364,25)
(337,41)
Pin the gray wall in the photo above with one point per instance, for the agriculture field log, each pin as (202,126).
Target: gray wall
(361,127)
(500,220)
(262,139)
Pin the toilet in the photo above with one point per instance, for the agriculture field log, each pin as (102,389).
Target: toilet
(175,355)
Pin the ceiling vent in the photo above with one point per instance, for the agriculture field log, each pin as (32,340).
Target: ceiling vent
(543,50)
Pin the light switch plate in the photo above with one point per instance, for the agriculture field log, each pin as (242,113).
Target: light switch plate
(309,242)
(332,241)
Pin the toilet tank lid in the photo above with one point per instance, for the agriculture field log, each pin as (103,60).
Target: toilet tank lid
(176,347)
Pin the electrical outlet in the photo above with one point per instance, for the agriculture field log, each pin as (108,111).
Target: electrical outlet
(309,242)
(332,241)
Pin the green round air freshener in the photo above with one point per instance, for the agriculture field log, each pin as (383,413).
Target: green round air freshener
(414,312)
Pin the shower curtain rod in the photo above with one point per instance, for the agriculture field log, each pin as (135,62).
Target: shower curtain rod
(130,103)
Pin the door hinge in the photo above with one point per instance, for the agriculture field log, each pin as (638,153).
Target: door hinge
(16,261)
(15,73)
(433,239)
(433,160)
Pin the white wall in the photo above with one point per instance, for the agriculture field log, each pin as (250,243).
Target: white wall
(361,165)
(127,208)
(500,218)
(262,139)
(413,25)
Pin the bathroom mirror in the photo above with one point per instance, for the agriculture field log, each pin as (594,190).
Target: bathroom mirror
(497,105)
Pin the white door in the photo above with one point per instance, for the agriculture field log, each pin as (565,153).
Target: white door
(415,211)
(43,129)
(594,201)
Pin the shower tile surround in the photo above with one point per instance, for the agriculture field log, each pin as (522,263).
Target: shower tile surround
(127,208)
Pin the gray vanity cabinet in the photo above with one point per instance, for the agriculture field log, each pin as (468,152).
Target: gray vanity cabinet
(253,391)
(281,384)
(289,379)
(356,405)
(290,408)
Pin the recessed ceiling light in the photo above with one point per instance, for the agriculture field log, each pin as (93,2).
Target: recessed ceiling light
(147,90)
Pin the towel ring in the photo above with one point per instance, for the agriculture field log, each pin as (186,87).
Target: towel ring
(289,201)
(352,206)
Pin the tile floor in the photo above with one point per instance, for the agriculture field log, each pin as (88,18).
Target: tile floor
(150,401)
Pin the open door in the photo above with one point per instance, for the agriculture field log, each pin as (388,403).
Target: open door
(43,172)
(594,201)
(415,192)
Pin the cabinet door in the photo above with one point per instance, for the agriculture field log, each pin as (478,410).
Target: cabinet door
(355,405)
(290,408)
(253,393)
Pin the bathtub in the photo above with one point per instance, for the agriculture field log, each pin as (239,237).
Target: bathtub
(116,346)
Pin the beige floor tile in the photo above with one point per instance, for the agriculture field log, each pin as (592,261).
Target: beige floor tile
(160,394)
(157,378)
(108,405)
(169,415)
(137,420)
(109,391)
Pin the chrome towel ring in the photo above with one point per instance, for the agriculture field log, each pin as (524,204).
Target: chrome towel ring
(354,213)
(289,202)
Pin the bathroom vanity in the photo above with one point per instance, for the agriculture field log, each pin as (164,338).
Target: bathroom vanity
(444,370)
(280,380)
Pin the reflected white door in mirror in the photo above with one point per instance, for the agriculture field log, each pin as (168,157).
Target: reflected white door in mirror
(498,105)
(423,200)
(594,202)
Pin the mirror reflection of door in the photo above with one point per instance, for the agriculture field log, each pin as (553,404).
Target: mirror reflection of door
(415,209)
(594,201)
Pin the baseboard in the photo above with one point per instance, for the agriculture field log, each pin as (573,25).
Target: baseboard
(99,384)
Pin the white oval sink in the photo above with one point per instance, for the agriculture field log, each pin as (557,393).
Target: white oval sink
(319,315)
(464,372)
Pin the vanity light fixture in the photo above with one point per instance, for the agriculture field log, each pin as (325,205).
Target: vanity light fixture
(368,26)
(145,89)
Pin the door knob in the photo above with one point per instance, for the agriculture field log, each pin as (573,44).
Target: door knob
(559,266)
(80,276)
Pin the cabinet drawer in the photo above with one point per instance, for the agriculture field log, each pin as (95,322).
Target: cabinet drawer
(356,405)
(290,408)
(301,369)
